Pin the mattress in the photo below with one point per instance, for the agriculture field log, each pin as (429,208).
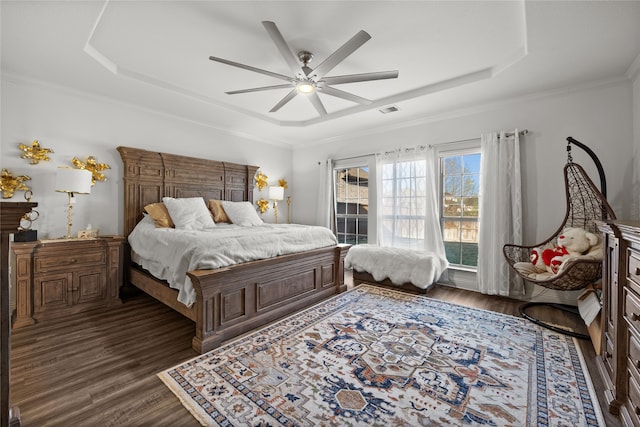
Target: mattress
(168,253)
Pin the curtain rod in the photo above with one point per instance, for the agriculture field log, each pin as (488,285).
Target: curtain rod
(507,134)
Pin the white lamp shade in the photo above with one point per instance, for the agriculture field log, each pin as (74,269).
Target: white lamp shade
(69,180)
(276,193)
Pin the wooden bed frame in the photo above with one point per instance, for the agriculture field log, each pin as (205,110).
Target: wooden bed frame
(230,300)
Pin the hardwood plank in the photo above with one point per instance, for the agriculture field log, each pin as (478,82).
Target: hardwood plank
(99,368)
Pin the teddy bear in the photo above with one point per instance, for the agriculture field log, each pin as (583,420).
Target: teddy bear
(536,268)
(549,259)
(553,257)
(578,243)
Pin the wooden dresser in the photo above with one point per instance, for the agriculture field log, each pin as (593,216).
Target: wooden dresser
(55,278)
(10,215)
(619,363)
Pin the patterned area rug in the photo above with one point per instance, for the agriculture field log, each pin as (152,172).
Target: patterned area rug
(378,357)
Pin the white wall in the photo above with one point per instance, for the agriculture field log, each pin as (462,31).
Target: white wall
(599,116)
(76,124)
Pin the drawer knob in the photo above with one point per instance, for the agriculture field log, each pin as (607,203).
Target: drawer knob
(637,410)
(637,271)
(607,355)
(637,364)
(635,317)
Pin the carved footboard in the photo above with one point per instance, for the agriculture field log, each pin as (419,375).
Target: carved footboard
(235,300)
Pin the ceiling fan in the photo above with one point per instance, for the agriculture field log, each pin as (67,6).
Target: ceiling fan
(307,81)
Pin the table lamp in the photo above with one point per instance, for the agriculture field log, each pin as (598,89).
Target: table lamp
(72,181)
(275,194)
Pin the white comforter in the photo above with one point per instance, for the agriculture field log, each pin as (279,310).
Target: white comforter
(168,253)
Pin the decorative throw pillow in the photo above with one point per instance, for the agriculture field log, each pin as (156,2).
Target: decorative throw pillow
(160,215)
(241,213)
(189,213)
(219,215)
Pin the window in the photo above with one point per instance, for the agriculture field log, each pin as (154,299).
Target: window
(460,178)
(352,204)
(403,202)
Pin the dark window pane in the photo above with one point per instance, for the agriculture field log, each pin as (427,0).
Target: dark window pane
(362,226)
(460,177)
(469,254)
(452,249)
(352,199)
(351,225)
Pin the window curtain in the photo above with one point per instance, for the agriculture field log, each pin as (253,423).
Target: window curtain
(500,214)
(325,213)
(407,211)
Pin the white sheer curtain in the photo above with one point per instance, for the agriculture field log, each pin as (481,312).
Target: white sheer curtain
(500,216)
(407,200)
(324,214)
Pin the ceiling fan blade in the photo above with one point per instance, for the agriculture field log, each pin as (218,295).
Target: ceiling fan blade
(339,55)
(352,78)
(254,69)
(344,95)
(317,104)
(258,89)
(282,46)
(284,100)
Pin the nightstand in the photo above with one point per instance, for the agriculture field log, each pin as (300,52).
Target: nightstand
(55,278)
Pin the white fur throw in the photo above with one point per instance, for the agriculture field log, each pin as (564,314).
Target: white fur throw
(400,266)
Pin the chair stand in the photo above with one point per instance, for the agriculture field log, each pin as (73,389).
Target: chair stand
(566,308)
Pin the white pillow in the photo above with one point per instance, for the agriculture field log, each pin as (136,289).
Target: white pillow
(241,213)
(189,213)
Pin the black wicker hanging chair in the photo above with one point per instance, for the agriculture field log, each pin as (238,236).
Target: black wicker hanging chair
(585,203)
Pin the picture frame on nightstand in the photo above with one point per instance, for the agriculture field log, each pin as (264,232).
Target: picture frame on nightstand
(88,234)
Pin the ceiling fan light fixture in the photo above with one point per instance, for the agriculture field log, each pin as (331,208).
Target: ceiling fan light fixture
(306,87)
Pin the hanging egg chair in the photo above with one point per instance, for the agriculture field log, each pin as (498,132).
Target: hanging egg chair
(585,204)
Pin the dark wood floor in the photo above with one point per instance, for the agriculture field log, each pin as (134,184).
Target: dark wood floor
(99,368)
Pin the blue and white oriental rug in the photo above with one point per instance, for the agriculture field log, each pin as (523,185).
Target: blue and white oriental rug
(378,357)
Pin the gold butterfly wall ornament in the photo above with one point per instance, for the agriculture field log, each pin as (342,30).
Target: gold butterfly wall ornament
(283,183)
(261,180)
(9,183)
(35,153)
(93,166)
(263,205)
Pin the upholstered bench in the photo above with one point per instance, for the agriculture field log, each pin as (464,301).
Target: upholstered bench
(411,270)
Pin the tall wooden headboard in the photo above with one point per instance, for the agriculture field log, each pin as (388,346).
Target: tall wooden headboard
(149,176)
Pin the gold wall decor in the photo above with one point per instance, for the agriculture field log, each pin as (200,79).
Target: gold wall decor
(283,183)
(263,205)
(93,166)
(35,153)
(261,180)
(9,183)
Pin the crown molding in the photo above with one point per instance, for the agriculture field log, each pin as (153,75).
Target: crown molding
(477,75)
(468,111)
(27,81)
